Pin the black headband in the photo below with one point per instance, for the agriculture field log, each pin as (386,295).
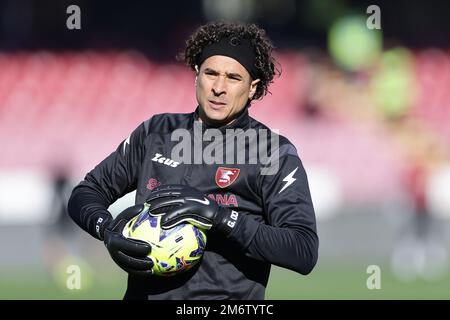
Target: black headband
(240,50)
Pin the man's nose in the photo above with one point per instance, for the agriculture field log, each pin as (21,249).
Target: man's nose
(218,87)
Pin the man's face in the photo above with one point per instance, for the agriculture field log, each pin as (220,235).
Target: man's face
(223,89)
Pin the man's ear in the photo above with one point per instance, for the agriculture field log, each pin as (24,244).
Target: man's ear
(197,70)
(253,87)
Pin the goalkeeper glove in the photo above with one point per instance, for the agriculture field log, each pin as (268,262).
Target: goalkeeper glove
(128,254)
(179,203)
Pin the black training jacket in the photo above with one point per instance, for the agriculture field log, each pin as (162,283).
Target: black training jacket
(276,222)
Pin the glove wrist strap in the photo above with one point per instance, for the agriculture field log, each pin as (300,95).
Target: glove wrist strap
(227,220)
(101,221)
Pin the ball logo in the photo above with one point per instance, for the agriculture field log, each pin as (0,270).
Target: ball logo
(226,176)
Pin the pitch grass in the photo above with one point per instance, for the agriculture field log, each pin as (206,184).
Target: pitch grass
(326,282)
(350,283)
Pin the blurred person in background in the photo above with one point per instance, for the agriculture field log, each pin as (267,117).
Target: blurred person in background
(61,236)
(420,248)
(272,220)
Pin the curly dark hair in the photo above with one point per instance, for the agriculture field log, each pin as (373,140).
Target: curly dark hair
(214,31)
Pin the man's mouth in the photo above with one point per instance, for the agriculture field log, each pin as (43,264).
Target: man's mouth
(216,104)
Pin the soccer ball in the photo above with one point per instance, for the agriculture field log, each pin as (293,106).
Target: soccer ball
(174,250)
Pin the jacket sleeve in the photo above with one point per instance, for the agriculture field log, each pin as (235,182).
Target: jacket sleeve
(289,238)
(111,179)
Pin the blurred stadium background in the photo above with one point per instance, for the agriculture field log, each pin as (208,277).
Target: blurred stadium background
(369,111)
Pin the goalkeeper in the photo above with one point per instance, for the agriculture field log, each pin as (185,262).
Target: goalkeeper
(269,218)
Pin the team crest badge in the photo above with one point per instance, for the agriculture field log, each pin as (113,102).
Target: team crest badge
(226,176)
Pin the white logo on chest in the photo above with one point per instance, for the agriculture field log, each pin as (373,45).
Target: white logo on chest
(167,161)
(225,176)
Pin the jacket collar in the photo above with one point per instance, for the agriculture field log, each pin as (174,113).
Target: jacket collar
(242,121)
